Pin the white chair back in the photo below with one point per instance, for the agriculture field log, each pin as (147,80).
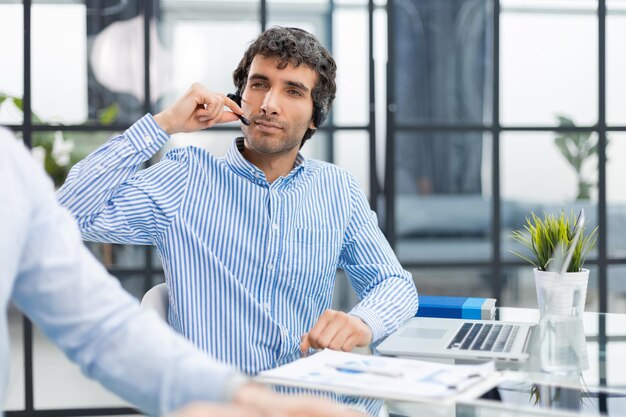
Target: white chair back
(156,299)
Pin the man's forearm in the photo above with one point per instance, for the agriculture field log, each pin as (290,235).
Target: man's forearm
(387,306)
(92,181)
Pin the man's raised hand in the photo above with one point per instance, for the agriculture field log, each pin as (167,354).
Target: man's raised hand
(199,108)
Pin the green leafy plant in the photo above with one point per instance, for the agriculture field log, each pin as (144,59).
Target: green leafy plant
(542,236)
(57,151)
(578,148)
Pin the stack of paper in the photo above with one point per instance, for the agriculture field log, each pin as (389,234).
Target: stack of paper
(380,377)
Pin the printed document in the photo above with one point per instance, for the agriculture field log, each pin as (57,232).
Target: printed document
(382,377)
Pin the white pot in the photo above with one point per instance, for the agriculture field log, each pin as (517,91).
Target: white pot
(565,297)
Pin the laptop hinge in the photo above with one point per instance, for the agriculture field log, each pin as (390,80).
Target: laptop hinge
(529,336)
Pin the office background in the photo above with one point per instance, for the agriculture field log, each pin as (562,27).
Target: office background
(447,112)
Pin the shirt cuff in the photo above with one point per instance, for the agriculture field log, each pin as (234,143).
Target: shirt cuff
(370,318)
(146,136)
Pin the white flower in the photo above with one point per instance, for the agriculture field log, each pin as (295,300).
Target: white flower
(61,149)
(39,153)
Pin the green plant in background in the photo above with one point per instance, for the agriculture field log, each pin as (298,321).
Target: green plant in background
(541,237)
(578,148)
(58,151)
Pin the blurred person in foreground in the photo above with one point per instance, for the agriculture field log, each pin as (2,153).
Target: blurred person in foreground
(50,276)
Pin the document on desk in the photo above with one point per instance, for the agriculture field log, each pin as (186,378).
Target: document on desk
(382,377)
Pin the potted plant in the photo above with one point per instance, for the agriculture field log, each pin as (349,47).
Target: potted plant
(542,238)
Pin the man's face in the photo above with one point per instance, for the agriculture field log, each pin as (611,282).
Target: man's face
(279,104)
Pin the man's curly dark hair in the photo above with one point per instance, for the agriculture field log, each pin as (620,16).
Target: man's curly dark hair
(296,47)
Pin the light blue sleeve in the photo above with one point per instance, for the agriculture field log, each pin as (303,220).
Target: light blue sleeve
(387,292)
(84,310)
(112,201)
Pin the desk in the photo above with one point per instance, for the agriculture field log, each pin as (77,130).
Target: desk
(598,389)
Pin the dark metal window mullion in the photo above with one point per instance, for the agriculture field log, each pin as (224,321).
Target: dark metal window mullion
(390,149)
(29,397)
(147,105)
(496,271)
(330,149)
(73,412)
(602,132)
(602,203)
(263,14)
(374,188)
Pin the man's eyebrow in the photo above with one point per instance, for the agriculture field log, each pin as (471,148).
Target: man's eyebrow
(296,84)
(258,77)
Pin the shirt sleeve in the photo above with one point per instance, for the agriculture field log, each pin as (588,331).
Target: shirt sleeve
(112,201)
(84,310)
(387,291)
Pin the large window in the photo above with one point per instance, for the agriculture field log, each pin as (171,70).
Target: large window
(447,112)
(478,93)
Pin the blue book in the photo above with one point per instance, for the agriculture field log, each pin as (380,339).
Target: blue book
(456,307)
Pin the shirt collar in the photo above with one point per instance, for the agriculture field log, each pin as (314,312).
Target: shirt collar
(240,165)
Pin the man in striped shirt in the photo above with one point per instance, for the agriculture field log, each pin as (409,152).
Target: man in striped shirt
(250,243)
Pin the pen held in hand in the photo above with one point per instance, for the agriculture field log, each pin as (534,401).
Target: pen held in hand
(358,369)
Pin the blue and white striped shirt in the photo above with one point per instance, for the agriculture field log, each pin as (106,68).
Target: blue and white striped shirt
(250,266)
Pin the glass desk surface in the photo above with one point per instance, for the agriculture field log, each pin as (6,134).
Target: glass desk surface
(526,390)
(598,388)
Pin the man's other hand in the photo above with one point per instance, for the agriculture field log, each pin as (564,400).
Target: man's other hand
(338,331)
(268,403)
(197,109)
(216,410)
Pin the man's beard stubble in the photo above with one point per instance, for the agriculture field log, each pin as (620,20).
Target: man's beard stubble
(262,142)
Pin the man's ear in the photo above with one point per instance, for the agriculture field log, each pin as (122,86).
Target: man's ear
(312,125)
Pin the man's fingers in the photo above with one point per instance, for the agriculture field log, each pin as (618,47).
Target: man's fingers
(340,338)
(317,330)
(216,410)
(322,408)
(227,117)
(305,345)
(232,105)
(349,344)
(330,332)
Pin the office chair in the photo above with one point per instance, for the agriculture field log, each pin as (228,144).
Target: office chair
(156,299)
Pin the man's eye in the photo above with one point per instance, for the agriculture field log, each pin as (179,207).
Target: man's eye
(294,92)
(258,85)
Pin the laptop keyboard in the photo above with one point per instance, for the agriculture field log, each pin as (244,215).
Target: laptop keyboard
(485,337)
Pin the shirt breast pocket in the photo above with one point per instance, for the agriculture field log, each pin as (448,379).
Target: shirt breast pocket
(312,255)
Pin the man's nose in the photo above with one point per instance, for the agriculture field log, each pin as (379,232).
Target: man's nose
(270,104)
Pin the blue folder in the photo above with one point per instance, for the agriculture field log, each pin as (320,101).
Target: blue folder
(456,307)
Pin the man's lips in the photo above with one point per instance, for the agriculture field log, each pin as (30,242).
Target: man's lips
(267,125)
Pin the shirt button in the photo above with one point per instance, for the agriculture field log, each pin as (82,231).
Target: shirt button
(266,306)
(275,226)
(284,333)
(148,140)
(270,267)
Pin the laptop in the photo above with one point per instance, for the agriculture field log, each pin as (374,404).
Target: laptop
(502,341)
